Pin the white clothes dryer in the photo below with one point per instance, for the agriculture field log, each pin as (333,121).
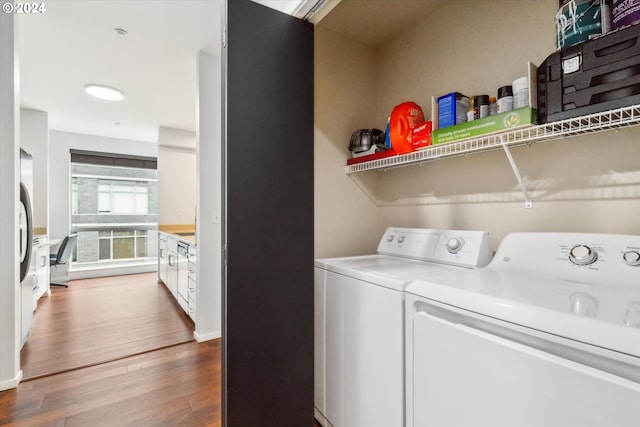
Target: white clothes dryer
(359,349)
(547,335)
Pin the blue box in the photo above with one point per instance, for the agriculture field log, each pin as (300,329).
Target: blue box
(452,109)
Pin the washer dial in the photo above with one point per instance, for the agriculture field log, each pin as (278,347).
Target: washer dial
(582,255)
(454,244)
(631,258)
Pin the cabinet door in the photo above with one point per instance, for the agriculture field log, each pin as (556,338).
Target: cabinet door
(192,283)
(268,291)
(172,272)
(162,258)
(183,280)
(41,279)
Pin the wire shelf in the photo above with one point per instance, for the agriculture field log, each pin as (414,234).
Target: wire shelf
(592,123)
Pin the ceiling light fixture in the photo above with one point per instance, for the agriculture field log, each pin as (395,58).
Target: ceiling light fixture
(121,32)
(104,92)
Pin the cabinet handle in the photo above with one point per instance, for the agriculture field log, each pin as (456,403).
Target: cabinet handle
(43,261)
(171,260)
(161,253)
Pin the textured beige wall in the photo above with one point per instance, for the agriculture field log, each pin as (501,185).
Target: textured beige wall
(468,46)
(587,184)
(346,220)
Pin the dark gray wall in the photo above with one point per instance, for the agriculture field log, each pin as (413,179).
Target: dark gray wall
(268,296)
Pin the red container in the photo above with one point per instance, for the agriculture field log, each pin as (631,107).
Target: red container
(421,135)
(404,118)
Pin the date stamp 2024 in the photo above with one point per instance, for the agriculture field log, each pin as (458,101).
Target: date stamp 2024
(23,8)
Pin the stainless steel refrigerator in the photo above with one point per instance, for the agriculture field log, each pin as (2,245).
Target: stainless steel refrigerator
(27,265)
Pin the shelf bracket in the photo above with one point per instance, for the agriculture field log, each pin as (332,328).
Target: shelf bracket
(516,171)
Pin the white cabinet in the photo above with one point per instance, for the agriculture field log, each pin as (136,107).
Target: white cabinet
(41,276)
(177,270)
(172,265)
(192,281)
(162,257)
(183,276)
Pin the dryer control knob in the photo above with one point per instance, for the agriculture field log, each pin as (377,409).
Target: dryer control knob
(390,238)
(582,255)
(455,244)
(400,239)
(631,257)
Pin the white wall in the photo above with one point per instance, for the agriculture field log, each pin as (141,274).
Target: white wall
(587,183)
(10,374)
(34,138)
(176,177)
(345,220)
(209,195)
(59,180)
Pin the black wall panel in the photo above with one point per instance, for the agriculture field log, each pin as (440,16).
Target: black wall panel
(268,296)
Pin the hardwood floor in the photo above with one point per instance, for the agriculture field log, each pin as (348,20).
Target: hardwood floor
(178,384)
(174,386)
(114,351)
(99,320)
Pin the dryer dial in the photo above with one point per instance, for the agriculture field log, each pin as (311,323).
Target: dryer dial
(455,244)
(582,255)
(631,258)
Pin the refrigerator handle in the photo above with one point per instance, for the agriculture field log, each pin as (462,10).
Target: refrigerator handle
(25,246)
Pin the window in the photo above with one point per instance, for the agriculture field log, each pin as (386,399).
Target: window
(122,197)
(114,209)
(118,245)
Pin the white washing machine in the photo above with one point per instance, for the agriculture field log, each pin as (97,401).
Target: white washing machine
(547,335)
(359,344)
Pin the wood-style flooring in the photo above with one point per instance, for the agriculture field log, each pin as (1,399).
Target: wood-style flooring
(99,320)
(174,384)
(114,351)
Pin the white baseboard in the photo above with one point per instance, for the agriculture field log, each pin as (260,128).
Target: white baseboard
(321,418)
(12,383)
(111,271)
(206,337)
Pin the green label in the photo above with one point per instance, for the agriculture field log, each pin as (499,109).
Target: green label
(500,122)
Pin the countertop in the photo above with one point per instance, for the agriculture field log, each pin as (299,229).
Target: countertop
(186,237)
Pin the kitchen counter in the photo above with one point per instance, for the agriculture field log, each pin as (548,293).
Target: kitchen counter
(185,237)
(189,238)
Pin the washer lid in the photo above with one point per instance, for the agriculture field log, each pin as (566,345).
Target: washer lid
(383,270)
(603,316)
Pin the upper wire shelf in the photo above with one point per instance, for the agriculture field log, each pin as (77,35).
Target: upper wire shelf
(591,123)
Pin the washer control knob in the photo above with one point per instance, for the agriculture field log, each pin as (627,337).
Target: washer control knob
(400,239)
(582,255)
(455,244)
(390,238)
(631,257)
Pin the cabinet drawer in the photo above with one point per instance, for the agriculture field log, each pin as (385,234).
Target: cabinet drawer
(183,303)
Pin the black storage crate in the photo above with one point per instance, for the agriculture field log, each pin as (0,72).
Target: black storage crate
(597,75)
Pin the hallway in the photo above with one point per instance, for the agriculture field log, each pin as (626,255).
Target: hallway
(114,351)
(99,320)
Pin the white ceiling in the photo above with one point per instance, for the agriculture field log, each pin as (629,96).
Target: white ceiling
(74,43)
